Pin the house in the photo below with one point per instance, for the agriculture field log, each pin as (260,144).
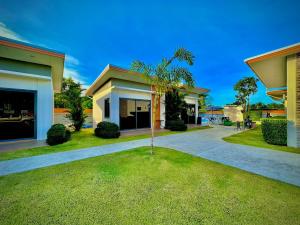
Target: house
(279,71)
(28,77)
(126,98)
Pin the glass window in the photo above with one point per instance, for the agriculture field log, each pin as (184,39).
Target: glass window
(106,108)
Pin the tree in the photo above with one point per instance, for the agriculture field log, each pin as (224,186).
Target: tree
(59,100)
(72,95)
(275,106)
(165,76)
(245,87)
(174,102)
(87,102)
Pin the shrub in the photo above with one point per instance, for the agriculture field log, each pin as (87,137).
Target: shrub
(58,134)
(107,130)
(274,131)
(176,125)
(228,123)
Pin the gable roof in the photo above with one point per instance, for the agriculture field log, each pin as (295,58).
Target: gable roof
(111,71)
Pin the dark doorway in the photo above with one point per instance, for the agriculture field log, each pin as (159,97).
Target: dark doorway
(189,114)
(134,114)
(17,113)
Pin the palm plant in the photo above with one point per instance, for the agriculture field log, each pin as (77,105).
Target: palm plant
(165,76)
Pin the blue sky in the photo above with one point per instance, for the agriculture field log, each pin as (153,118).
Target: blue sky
(221,34)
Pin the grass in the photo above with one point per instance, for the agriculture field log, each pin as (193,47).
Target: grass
(134,187)
(254,137)
(83,139)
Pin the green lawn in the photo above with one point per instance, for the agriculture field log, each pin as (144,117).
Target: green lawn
(254,137)
(134,187)
(83,139)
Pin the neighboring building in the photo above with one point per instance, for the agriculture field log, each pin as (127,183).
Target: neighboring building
(28,77)
(60,116)
(234,112)
(125,98)
(279,71)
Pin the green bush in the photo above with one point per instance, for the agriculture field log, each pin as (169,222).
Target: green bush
(274,131)
(228,123)
(176,125)
(107,130)
(58,134)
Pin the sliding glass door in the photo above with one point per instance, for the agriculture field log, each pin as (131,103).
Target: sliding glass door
(134,113)
(17,114)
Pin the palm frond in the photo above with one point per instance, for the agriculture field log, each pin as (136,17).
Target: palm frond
(182,75)
(182,54)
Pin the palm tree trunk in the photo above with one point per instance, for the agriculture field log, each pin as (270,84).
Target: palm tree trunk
(154,105)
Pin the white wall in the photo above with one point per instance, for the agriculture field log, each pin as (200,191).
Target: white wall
(44,107)
(98,104)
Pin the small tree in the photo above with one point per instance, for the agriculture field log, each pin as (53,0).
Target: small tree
(174,102)
(245,87)
(72,94)
(165,76)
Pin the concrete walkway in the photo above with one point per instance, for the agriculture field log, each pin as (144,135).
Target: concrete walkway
(207,144)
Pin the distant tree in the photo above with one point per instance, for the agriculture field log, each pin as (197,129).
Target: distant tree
(258,105)
(166,76)
(261,105)
(245,88)
(275,106)
(72,97)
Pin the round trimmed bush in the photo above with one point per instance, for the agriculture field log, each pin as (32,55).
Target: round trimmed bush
(58,134)
(107,130)
(274,131)
(176,125)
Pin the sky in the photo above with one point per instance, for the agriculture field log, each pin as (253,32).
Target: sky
(221,34)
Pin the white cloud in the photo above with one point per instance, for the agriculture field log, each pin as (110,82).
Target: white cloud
(75,75)
(71,70)
(72,61)
(8,33)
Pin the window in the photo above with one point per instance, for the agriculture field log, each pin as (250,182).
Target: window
(106,108)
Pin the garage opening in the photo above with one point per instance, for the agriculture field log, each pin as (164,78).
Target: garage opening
(17,114)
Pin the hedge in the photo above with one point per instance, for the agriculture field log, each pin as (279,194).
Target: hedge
(58,134)
(274,131)
(107,130)
(228,123)
(176,125)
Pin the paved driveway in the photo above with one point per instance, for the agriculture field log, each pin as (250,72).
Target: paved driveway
(205,143)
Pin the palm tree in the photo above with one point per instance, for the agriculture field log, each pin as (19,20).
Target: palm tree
(165,77)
